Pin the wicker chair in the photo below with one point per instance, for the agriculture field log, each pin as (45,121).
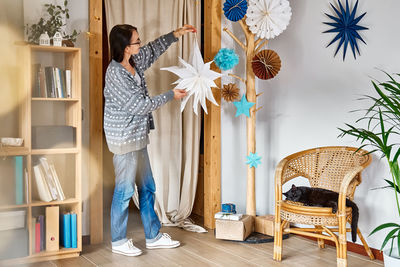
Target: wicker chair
(334,168)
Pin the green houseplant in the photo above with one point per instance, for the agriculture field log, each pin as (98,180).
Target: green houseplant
(53,24)
(382,120)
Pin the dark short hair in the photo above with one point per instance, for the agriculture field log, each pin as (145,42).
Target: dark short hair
(120,38)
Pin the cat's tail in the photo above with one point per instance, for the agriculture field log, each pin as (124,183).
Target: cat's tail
(354,218)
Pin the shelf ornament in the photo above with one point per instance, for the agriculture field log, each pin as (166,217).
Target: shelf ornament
(57,39)
(44,39)
(345,24)
(196,78)
(268,18)
(266,64)
(235,10)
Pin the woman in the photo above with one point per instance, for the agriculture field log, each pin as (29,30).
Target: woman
(127,123)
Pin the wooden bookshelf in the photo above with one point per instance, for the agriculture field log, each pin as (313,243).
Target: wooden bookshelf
(37,112)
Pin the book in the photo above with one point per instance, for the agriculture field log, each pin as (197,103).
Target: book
(228,216)
(42,233)
(74,232)
(68,83)
(19,180)
(35,79)
(26,186)
(41,185)
(50,86)
(65,236)
(49,178)
(42,82)
(60,192)
(37,235)
(52,228)
(58,82)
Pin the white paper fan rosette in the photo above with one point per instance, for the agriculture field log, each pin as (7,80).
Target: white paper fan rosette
(268,18)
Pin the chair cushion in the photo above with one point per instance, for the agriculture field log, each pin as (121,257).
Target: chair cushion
(296,212)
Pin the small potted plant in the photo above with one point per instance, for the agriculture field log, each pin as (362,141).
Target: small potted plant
(383,125)
(56,15)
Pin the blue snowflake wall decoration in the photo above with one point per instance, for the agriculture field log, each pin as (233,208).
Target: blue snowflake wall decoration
(253,160)
(346,26)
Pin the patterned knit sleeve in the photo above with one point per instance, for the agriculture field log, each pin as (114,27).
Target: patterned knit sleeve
(149,53)
(121,96)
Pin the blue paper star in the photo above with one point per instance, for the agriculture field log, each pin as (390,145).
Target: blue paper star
(253,160)
(345,24)
(243,106)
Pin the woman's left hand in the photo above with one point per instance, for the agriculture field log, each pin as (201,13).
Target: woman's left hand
(185,29)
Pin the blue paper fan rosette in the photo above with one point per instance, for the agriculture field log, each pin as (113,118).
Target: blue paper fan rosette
(235,10)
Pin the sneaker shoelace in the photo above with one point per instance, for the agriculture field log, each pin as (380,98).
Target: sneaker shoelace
(167,236)
(130,244)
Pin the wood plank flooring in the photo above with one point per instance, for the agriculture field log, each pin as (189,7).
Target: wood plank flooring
(204,250)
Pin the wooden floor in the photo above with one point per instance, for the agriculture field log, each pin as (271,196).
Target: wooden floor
(204,250)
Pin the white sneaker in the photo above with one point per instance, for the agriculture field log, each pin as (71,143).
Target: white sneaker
(165,241)
(127,249)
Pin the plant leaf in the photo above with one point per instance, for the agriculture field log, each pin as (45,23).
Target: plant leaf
(383,226)
(388,236)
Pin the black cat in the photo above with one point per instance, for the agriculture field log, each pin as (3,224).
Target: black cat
(323,198)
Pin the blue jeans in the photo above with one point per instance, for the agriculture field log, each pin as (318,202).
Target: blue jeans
(130,168)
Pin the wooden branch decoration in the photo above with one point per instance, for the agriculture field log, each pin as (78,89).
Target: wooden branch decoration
(265,42)
(235,38)
(257,42)
(258,108)
(257,95)
(237,77)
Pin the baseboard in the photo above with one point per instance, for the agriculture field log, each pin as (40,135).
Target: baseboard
(85,240)
(353,247)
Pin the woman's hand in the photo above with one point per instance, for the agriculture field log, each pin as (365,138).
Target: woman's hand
(185,29)
(179,93)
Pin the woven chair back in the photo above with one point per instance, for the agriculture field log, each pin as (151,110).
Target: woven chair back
(325,167)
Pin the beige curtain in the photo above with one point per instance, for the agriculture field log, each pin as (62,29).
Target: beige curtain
(174,144)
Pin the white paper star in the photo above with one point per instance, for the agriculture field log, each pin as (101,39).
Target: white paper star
(196,78)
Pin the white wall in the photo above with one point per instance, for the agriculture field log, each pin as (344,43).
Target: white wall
(79,20)
(306,102)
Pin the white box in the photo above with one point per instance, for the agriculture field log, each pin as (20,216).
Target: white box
(12,219)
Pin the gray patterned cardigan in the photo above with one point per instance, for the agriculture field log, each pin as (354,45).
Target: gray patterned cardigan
(128,106)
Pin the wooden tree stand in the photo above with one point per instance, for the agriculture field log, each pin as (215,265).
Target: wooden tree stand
(251,48)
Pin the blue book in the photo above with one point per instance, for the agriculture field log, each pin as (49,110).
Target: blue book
(19,178)
(65,236)
(74,232)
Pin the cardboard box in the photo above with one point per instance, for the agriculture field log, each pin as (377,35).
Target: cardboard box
(265,225)
(234,230)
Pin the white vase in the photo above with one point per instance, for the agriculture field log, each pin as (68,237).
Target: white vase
(393,260)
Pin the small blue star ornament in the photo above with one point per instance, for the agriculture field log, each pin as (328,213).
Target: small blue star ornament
(346,26)
(253,160)
(243,107)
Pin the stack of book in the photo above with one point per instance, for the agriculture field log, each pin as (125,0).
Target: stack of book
(51,82)
(228,216)
(68,233)
(47,182)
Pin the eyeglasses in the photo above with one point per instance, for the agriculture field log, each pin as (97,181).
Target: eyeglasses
(137,43)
